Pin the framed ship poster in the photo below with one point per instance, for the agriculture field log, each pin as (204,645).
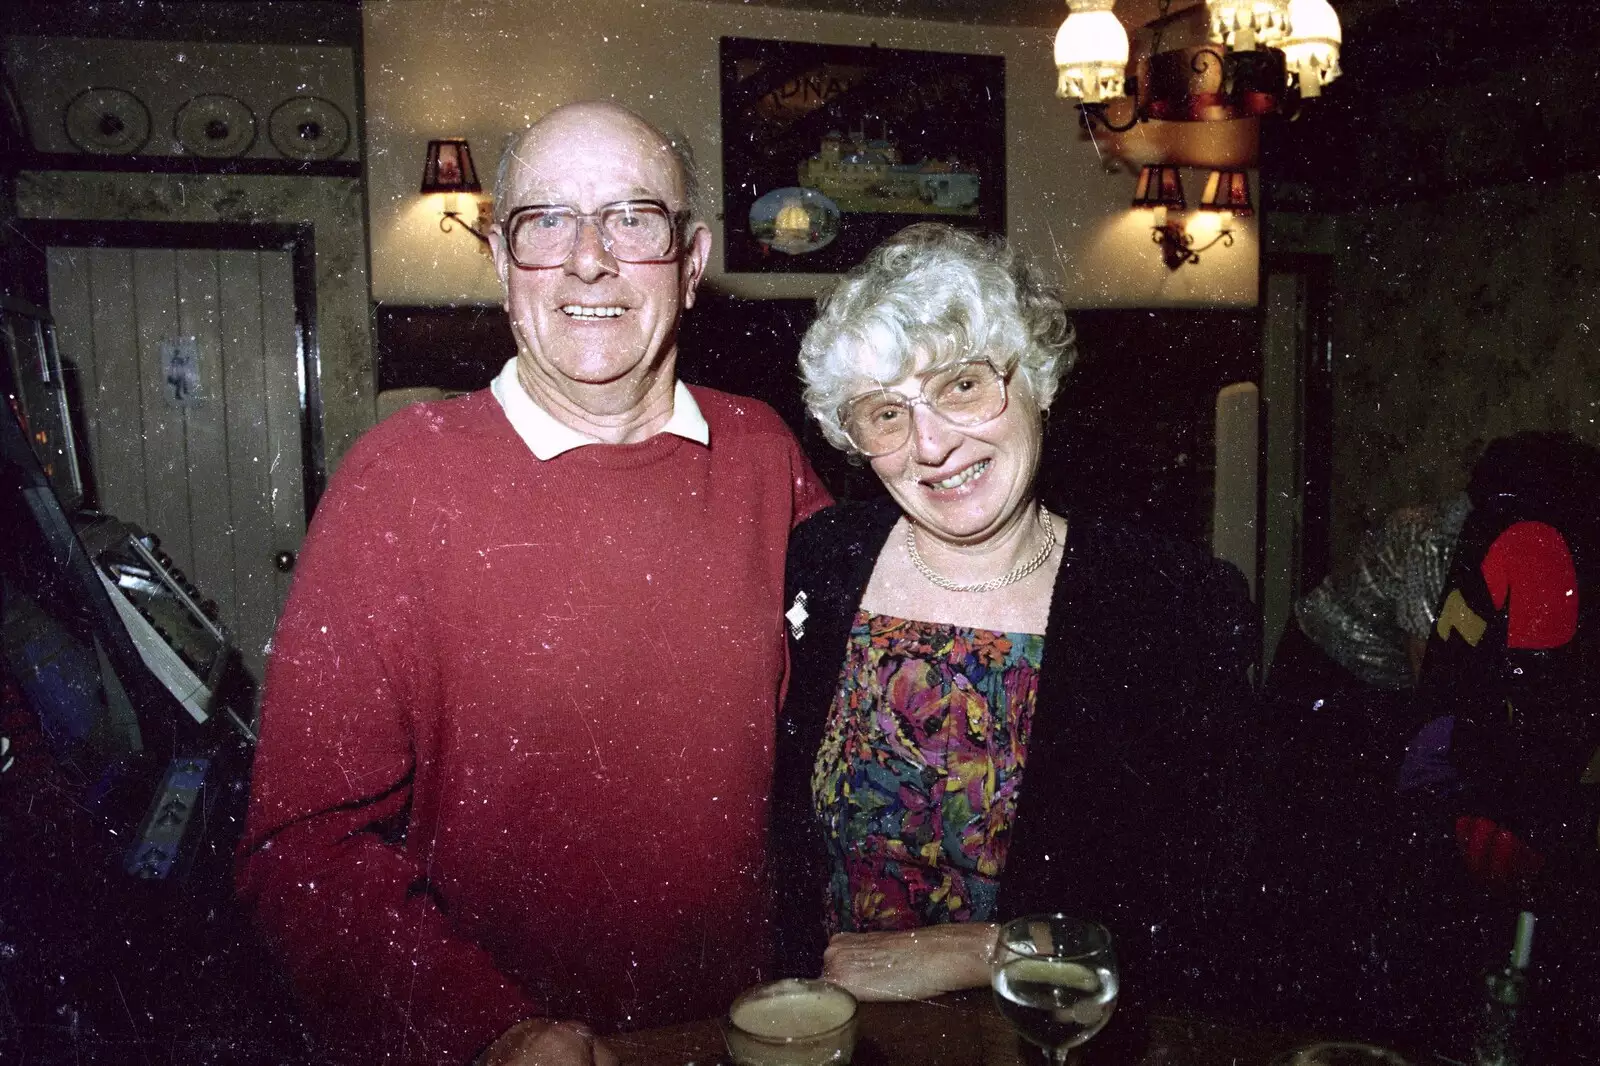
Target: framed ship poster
(829,149)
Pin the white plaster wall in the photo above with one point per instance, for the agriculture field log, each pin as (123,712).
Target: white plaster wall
(483,68)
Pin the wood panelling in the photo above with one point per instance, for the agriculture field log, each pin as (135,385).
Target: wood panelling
(1132,433)
(217,478)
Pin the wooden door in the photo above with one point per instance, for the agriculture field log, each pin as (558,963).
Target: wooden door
(189,367)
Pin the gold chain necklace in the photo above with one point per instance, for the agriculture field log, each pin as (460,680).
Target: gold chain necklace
(1010,577)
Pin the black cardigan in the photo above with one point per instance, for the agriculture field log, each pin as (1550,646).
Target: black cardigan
(1136,804)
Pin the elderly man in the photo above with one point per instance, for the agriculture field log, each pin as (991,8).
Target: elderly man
(517,730)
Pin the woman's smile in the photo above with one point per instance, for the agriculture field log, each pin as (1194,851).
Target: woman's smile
(961,477)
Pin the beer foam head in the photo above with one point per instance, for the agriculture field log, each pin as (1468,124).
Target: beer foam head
(792,1023)
(792,1010)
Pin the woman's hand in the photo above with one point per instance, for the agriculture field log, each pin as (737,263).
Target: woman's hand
(911,963)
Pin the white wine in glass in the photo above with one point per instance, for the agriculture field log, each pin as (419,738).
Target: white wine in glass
(1055,980)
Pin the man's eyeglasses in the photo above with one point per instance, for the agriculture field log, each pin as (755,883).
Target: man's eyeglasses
(632,231)
(967,394)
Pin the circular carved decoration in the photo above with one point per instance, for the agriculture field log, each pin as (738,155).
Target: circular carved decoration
(308,128)
(216,126)
(107,121)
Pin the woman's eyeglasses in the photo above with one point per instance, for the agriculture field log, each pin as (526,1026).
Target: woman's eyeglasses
(966,394)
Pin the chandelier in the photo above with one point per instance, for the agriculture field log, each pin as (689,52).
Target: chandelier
(1261,54)
(1091,53)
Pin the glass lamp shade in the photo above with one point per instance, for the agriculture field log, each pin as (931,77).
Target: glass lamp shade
(1245,25)
(1159,187)
(449,168)
(1311,51)
(1228,191)
(1091,53)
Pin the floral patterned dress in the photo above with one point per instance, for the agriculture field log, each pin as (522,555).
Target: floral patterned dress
(917,778)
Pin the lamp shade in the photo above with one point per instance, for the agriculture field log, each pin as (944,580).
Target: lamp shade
(1247,24)
(1311,50)
(1228,190)
(1091,53)
(449,168)
(1159,187)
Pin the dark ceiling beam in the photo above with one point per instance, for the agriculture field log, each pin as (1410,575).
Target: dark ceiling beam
(330,22)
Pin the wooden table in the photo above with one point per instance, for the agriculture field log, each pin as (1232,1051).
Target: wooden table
(965,1029)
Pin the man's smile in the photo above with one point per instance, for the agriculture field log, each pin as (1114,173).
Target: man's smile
(585,311)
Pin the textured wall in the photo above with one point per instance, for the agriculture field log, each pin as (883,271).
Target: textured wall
(1456,321)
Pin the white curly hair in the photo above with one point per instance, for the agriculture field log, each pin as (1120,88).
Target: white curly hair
(937,293)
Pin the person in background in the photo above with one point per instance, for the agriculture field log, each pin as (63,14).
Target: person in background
(1340,688)
(1366,626)
(516,740)
(998,705)
(1500,791)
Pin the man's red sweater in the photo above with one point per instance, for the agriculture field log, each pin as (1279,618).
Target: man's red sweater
(517,730)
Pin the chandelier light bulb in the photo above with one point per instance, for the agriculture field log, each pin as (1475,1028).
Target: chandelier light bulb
(1091,53)
(1311,51)
(1245,25)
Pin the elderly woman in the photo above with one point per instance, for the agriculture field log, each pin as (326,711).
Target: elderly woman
(996,707)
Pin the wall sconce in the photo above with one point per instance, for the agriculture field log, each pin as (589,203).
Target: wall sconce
(1161,190)
(449,171)
(1228,191)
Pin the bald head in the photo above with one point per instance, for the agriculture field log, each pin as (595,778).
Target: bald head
(594,125)
(597,332)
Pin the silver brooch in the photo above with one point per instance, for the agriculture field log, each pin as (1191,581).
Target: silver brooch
(797,615)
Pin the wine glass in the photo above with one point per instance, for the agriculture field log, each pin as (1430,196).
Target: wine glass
(1055,980)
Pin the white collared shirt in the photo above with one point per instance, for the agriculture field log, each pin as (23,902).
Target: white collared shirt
(548,437)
